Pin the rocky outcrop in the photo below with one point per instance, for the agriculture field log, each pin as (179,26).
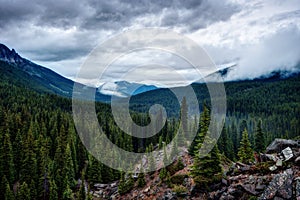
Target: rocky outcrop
(105,191)
(279,144)
(8,55)
(275,176)
(280,186)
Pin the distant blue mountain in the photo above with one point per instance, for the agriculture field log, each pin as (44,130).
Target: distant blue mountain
(125,88)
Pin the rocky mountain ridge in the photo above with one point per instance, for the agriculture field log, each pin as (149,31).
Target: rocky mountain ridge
(274,175)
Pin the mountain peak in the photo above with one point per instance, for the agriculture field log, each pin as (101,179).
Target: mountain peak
(10,56)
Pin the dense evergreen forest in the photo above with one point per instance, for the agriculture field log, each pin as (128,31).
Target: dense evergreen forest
(43,158)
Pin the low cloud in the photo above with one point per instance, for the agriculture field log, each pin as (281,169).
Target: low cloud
(279,52)
(259,36)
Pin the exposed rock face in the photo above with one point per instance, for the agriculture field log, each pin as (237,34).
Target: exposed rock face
(287,153)
(8,55)
(279,144)
(297,189)
(280,186)
(277,177)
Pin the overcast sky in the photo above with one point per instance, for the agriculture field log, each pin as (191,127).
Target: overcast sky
(260,36)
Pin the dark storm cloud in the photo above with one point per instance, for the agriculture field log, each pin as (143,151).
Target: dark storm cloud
(43,13)
(198,14)
(60,34)
(112,14)
(12,11)
(28,25)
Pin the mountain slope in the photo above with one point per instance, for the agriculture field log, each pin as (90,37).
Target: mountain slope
(124,88)
(259,95)
(19,70)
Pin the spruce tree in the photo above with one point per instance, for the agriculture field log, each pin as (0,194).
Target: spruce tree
(122,184)
(24,192)
(183,133)
(245,153)
(29,165)
(259,138)
(18,153)
(204,124)
(3,185)
(225,144)
(174,150)
(7,166)
(165,158)
(33,192)
(81,194)
(208,169)
(67,194)
(9,195)
(141,177)
(94,171)
(160,143)
(125,185)
(243,126)
(152,162)
(163,173)
(234,137)
(68,169)
(53,191)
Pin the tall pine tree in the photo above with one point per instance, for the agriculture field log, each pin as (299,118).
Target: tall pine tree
(259,138)
(245,153)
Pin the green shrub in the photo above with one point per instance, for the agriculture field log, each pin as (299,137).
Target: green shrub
(204,183)
(178,179)
(180,190)
(175,167)
(262,167)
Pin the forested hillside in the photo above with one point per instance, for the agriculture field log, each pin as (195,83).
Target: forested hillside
(274,101)
(43,158)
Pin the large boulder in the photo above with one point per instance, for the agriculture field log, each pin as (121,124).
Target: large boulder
(280,186)
(297,189)
(287,153)
(279,144)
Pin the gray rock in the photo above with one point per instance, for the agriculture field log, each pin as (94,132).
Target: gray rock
(113,197)
(297,160)
(112,191)
(169,196)
(99,185)
(237,191)
(141,196)
(226,196)
(278,198)
(273,168)
(250,188)
(224,181)
(287,153)
(218,194)
(286,190)
(113,184)
(297,188)
(252,180)
(271,157)
(147,189)
(279,163)
(96,195)
(260,187)
(279,144)
(296,152)
(281,186)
